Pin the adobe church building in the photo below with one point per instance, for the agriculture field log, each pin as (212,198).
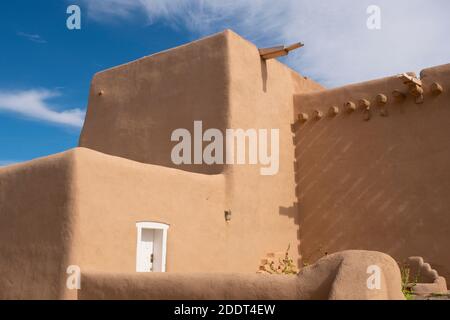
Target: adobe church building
(361,167)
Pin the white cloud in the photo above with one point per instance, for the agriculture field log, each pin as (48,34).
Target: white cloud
(33,104)
(32,37)
(339,47)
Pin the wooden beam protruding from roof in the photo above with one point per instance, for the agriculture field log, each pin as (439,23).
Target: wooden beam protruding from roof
(280,51)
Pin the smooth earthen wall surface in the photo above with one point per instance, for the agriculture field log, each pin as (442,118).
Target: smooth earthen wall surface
(261,97)
(222,81)
(37,209)
(381,184)
(115,193)
(133,109)
(342,276)
(144,101)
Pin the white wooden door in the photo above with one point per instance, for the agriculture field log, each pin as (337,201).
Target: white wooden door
(147,249)
(151,247)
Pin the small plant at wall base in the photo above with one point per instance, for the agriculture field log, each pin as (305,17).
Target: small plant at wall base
(285,265)
(407,283)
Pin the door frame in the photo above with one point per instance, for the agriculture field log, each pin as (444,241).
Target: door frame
(156,226)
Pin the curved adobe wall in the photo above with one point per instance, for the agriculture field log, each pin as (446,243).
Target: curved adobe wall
(37,212)
(342,276)
(381,184)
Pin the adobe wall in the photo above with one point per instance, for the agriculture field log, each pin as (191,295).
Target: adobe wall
(114,193)
(134,108)
(342,276)
(261,97)
(132,112)
(222,81)
(36,219)
(381,184)
(80,208)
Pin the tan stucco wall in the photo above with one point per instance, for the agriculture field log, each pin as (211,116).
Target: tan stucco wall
(261,97)
(222,81)
(343,183)
(81,208)
(381,184)
(37,207)
(342,276)
(115,193)
(144,101)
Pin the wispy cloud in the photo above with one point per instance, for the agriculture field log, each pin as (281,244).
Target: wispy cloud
(103,10)
(32,37)
(34,104)
(339,47)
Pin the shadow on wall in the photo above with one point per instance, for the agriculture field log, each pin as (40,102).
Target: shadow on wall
(264,74)
(380,183)
(293,212)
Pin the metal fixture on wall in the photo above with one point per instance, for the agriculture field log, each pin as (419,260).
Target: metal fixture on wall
(227,215)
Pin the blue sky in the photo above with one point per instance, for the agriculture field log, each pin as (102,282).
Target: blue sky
(39,53)
(46,69)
